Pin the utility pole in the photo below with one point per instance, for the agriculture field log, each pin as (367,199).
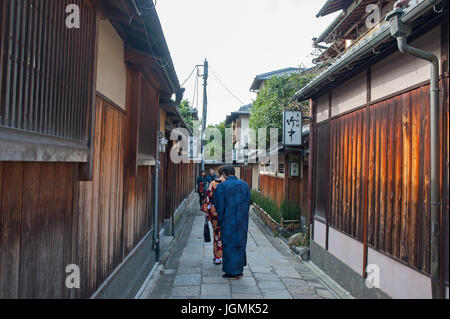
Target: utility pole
(205,109)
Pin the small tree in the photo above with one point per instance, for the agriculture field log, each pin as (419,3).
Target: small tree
(274,98)
(188,113)
(221,127)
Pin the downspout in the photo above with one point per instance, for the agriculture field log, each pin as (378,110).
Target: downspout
(156,201)
(401,32)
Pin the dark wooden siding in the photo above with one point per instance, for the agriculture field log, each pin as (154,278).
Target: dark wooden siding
(380,170)
(46,77)
(181,178)
(100,201)
(347,167)
(148,119)
(322,190)
(49,219)
(138,201)
(399,178)
(36,228)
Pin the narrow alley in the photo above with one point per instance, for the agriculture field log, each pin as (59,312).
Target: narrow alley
(319,130)
(273,272)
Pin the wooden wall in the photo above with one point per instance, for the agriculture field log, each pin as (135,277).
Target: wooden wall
(139,207)
(181,178)
(100,201)
(37,228)
(375,174)
(49,219)
(347,173)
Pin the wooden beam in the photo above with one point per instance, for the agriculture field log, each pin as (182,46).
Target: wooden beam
(86,169)
(311,168)
(133,111)
(152,71)
(366,172)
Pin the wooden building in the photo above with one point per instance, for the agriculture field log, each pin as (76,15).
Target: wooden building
(81,112)
(369,197)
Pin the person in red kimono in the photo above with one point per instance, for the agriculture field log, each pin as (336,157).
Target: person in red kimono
(213,217)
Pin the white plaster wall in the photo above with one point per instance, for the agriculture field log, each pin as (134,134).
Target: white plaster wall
(349,95)
(399,71)
(347,249)
(111,68)
(255,176)
(322,108)
(398,280)
(320,232)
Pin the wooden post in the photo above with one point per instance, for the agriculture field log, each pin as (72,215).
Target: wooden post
(311,170)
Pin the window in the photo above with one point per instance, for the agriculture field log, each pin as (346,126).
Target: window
(46,70)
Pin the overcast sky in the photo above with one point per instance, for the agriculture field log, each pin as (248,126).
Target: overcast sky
(240,39)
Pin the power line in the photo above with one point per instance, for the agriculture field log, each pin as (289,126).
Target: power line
(224,86)
(195,68)
(195,93)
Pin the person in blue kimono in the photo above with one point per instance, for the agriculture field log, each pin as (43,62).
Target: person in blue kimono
(232,202)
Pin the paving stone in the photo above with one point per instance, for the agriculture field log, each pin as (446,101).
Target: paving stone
(188,280)
(271,285)
(217,272)
(226,297)
(243,289)
(325,293)
(272,271)
(260,269)
(276,294)
(169,271)
(288,273)
(247,273)
(301,290)
(189,270)
(244,281)
(247,296)
(292,282)
(300,296)
(211,290)
(266,277)
(316,284)
(214,280)
(186,292)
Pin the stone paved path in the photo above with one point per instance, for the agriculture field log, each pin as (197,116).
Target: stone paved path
(272,271)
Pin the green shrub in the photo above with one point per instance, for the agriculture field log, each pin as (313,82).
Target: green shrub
(290,210)
(269,206)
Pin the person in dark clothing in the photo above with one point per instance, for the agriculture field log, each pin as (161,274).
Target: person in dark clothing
(212,176)
(202,183)
(232,202)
